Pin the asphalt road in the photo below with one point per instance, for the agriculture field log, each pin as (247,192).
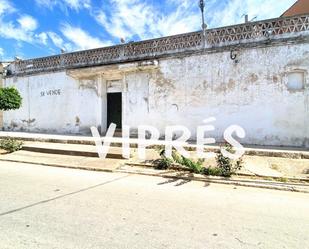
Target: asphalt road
(46,207)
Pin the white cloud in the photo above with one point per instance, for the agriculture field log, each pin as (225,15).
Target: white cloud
(20,30)
(115,27)
(28,22)
(1,52)
(184,19)
(78,4)
(23,29)
(56,39)
(127,18)
(130,18)
(81,39)
(232,12)
(42,37)
(136,17)
(59,42)
(64,4)
(6,7)
(11,31)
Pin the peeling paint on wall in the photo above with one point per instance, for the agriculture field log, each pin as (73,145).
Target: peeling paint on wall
(55,113)
(251,93)
(185,90)
(91,84)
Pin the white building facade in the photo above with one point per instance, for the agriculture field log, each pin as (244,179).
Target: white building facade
(254,75)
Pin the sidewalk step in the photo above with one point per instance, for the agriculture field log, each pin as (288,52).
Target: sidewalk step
(251,150)
(70,149)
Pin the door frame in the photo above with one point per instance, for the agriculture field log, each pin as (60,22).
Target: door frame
(105,89)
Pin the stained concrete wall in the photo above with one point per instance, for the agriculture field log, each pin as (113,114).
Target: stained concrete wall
(252,93)
(185,90)
(54,103)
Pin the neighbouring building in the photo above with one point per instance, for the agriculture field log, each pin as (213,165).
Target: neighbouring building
(298,8)
(253,74)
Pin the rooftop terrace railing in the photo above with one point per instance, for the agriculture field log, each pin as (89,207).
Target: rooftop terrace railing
(219,37)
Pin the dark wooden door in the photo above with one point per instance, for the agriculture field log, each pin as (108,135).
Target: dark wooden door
(114,109)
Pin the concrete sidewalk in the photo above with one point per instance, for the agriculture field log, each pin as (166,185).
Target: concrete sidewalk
(264,166)
(80,152)
(122,166)
(65,161)
(70,149)
(52,138)
(252,150)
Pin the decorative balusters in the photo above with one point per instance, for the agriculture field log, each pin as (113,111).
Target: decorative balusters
(178,43)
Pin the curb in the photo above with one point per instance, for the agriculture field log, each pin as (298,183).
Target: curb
(60,166)
(165,174)
(236,182)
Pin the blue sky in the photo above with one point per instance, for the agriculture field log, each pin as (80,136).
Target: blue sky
(35,28)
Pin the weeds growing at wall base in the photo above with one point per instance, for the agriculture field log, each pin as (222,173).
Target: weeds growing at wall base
(225,166)
(10,144)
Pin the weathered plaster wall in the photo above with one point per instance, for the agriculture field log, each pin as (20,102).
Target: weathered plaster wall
(252,93)
(183,90)
(55,103)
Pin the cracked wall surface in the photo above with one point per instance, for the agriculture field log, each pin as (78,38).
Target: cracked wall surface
(252,93)
(181,90)
(54,103)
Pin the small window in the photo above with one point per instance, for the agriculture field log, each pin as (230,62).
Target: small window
(296,81)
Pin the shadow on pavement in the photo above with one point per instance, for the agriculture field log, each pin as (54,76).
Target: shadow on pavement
(62,196)
(177,179)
